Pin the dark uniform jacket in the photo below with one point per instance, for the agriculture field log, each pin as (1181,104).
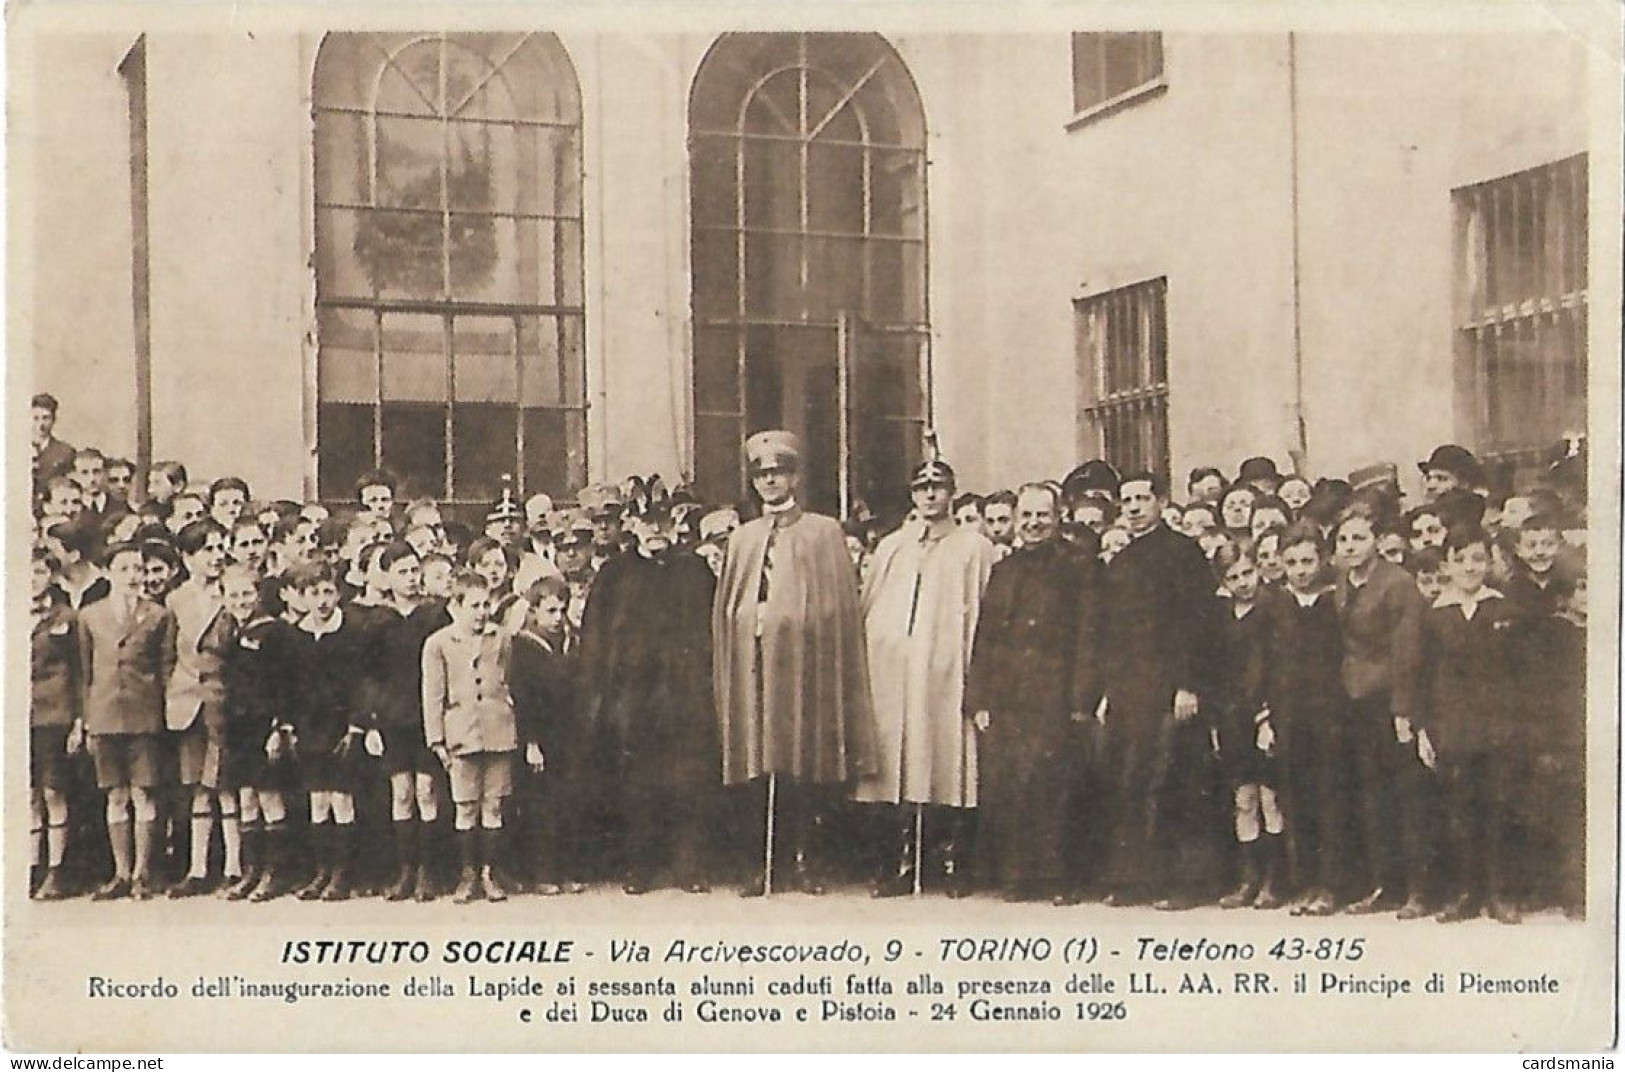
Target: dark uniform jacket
(326,678)
(1551,711)
(545,692)
(1037,638)
(1304,679)
(393,684)
(55,656)
(1467,703)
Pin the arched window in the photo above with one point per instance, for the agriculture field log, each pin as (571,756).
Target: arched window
(807,157)
(448,263)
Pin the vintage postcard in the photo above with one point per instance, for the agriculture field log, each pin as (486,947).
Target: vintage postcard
(582,527)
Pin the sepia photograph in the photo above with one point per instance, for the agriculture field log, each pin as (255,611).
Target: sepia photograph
(1042,532)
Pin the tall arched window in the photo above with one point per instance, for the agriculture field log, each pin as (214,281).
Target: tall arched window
(807,157)
(448,263)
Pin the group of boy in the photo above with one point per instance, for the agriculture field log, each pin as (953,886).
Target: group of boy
(249,677)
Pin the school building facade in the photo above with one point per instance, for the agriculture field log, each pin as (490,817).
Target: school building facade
(572,256)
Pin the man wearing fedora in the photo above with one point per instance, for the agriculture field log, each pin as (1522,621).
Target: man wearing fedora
(1448,468)
(790,668)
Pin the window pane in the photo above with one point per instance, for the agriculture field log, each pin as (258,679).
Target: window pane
(842,125)
(344,433)
(415,363)
(717,458)
(835,188)
(884,450)
(1127,63)
(341,158)
(399,253)
(834,277)
(895,283)
(484,260)
(716,268)
(574,357)
(342,256)
(539,268)
(889,107)
(764,379)
(773,276)
(346,66)
(716,371)
(568,239)
(484,447)
(484,174)
(776,107)
(773,184)
(715,163)
(897,193)
(411,81)
(409,154)
(542,384)
(565,149)
(347,361)
(890,370)
(414,448)
(485,367)
(555,460)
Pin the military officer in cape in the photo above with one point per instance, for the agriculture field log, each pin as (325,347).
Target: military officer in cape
(790,669)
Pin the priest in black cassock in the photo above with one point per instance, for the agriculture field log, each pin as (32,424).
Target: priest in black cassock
(1169,823)
(1034,678)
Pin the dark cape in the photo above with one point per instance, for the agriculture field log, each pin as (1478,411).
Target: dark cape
(646,664)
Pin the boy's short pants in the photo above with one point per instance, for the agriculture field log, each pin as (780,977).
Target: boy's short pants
(481,775)
(48,757)
(126,759)
(192,755)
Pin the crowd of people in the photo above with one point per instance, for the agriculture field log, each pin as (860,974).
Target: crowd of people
(1275,692)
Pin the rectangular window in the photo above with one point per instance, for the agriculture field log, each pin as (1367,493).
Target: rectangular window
(1521,320)
(1109,66)
(1122,346)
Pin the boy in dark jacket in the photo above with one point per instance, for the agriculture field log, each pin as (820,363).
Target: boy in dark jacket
(1465,724)
(552,794)
(325,669)
(53,726)
(398,630)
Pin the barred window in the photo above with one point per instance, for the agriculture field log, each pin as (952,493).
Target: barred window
(807,158)
(1122,346)
(1521,327)
(1106,66)
(448,263)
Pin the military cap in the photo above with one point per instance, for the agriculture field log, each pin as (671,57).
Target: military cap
(774,448)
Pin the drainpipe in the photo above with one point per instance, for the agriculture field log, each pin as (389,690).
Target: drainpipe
(1301,428)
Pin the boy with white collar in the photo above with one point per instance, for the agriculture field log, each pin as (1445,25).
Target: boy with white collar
(327,659)
(1465,724)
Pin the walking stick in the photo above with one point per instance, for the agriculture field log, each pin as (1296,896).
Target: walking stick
(767,855)
(919,849)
